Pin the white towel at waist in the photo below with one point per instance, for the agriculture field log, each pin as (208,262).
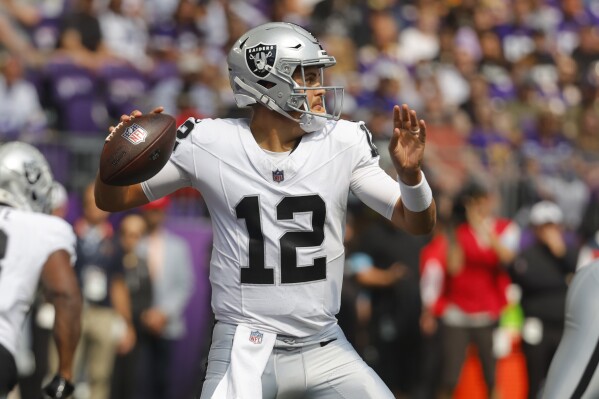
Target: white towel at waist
(249,355)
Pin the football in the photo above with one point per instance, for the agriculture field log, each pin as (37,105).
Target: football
(137,149)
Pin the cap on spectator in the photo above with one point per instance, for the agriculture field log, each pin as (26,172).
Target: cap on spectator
(158,205)
(545,212)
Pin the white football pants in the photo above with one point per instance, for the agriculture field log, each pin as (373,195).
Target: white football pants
(573,371)
(325,366)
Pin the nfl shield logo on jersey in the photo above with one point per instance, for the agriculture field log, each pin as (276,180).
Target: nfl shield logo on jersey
(256,337)
(135,134)
(278,175)
(259,57)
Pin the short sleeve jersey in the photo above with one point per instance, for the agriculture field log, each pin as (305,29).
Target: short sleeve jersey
(27,239)
(278,224)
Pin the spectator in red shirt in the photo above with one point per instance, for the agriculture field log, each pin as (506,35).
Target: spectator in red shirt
(478,248)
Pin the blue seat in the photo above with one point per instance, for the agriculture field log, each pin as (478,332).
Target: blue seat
(72,91)
(124,88)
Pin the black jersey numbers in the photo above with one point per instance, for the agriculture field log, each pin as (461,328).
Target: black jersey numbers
(256,273)
(3,245)
(184,130)
(290,241)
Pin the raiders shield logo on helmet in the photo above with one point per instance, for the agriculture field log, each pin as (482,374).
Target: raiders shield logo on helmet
(260,57)
(33,172)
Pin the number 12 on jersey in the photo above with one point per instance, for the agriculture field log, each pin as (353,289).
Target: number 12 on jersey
(256,273)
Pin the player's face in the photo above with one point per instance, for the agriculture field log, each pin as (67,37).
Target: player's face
(312,78)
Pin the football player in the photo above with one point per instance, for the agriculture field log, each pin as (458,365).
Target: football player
(34,248)
(276,187)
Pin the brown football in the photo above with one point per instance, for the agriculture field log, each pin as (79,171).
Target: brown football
(138,149)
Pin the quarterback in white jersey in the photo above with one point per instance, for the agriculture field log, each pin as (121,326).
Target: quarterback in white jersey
(277,260)
(276,187)
(34,248)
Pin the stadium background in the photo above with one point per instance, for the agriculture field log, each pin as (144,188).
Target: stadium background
(509,90)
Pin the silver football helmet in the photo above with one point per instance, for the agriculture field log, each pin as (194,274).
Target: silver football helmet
(261,67)
(25,177)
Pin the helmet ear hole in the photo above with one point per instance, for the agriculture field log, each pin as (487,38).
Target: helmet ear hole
(266,84)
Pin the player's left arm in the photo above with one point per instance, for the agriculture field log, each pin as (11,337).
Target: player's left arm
(415,210)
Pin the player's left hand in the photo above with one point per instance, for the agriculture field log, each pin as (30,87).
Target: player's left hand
(407,144)
(58,388)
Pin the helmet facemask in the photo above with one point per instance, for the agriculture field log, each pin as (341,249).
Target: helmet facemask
(298,101)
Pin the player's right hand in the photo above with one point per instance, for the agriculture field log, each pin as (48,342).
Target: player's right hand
(58,388)
(133,114)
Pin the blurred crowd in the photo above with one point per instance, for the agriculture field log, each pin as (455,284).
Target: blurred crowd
(509,90)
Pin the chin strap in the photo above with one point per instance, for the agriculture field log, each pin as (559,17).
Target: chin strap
(311,123)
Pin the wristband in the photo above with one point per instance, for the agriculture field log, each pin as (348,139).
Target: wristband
(416,198)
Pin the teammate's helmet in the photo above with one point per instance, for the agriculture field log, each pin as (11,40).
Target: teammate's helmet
(262,63)
(25,177)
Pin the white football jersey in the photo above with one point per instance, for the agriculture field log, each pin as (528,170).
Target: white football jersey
(278,223)
(27,239)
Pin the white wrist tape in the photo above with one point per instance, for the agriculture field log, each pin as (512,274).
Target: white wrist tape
(416,198)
